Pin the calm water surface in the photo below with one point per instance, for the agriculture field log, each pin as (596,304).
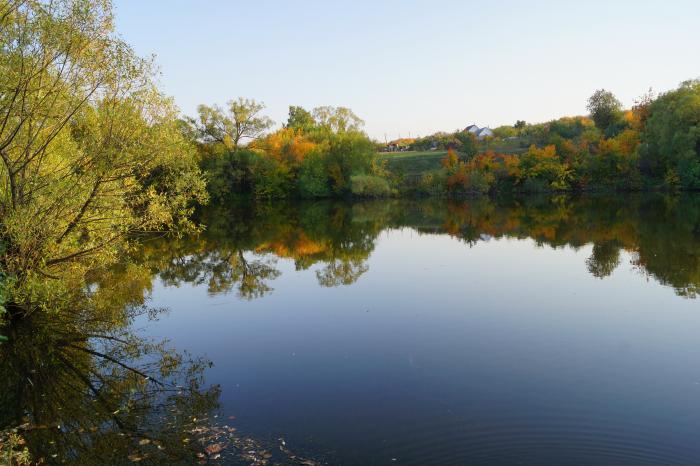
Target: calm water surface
(537,331)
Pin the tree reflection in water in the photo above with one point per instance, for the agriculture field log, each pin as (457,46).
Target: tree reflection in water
(85,387)
(242,245)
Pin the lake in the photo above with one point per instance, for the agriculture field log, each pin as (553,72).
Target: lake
(532,331)
(538,330)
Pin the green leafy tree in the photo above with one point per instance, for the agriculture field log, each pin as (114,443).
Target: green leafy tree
(469,145)
(504,132)
(349,153)
(337,119)
(670,149)
(370,186)
(313,177)
(240,121)
(605,109)
(90,150)
(300,118)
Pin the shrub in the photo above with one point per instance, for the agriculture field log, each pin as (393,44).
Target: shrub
(370,186)
(433,183)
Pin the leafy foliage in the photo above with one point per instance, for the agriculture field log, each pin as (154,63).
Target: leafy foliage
(370,186)
(90,150)
(655,144)
(605,109)
(670,150)
(241,120)
(314,155)
(238,251)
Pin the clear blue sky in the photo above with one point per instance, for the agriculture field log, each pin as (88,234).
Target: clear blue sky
(416,66)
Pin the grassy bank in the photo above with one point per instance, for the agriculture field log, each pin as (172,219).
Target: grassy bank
(416,163)
(412,163)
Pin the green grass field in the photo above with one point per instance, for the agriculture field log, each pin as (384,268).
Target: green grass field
(413,163)
(507,146)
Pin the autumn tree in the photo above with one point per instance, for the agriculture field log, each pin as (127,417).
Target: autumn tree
(642,109)
(280,156)
(450,161)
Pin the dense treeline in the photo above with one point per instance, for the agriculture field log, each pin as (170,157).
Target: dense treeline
(653,145)
(324,153)
(316,154)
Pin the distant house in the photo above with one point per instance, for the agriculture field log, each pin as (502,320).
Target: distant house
(472,129)
(484,133)
(480,133)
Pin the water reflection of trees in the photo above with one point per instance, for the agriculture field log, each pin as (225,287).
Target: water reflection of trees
(242,245)
(80,386)
(661,232)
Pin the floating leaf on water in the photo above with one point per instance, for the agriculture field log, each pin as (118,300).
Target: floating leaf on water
(214,448)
